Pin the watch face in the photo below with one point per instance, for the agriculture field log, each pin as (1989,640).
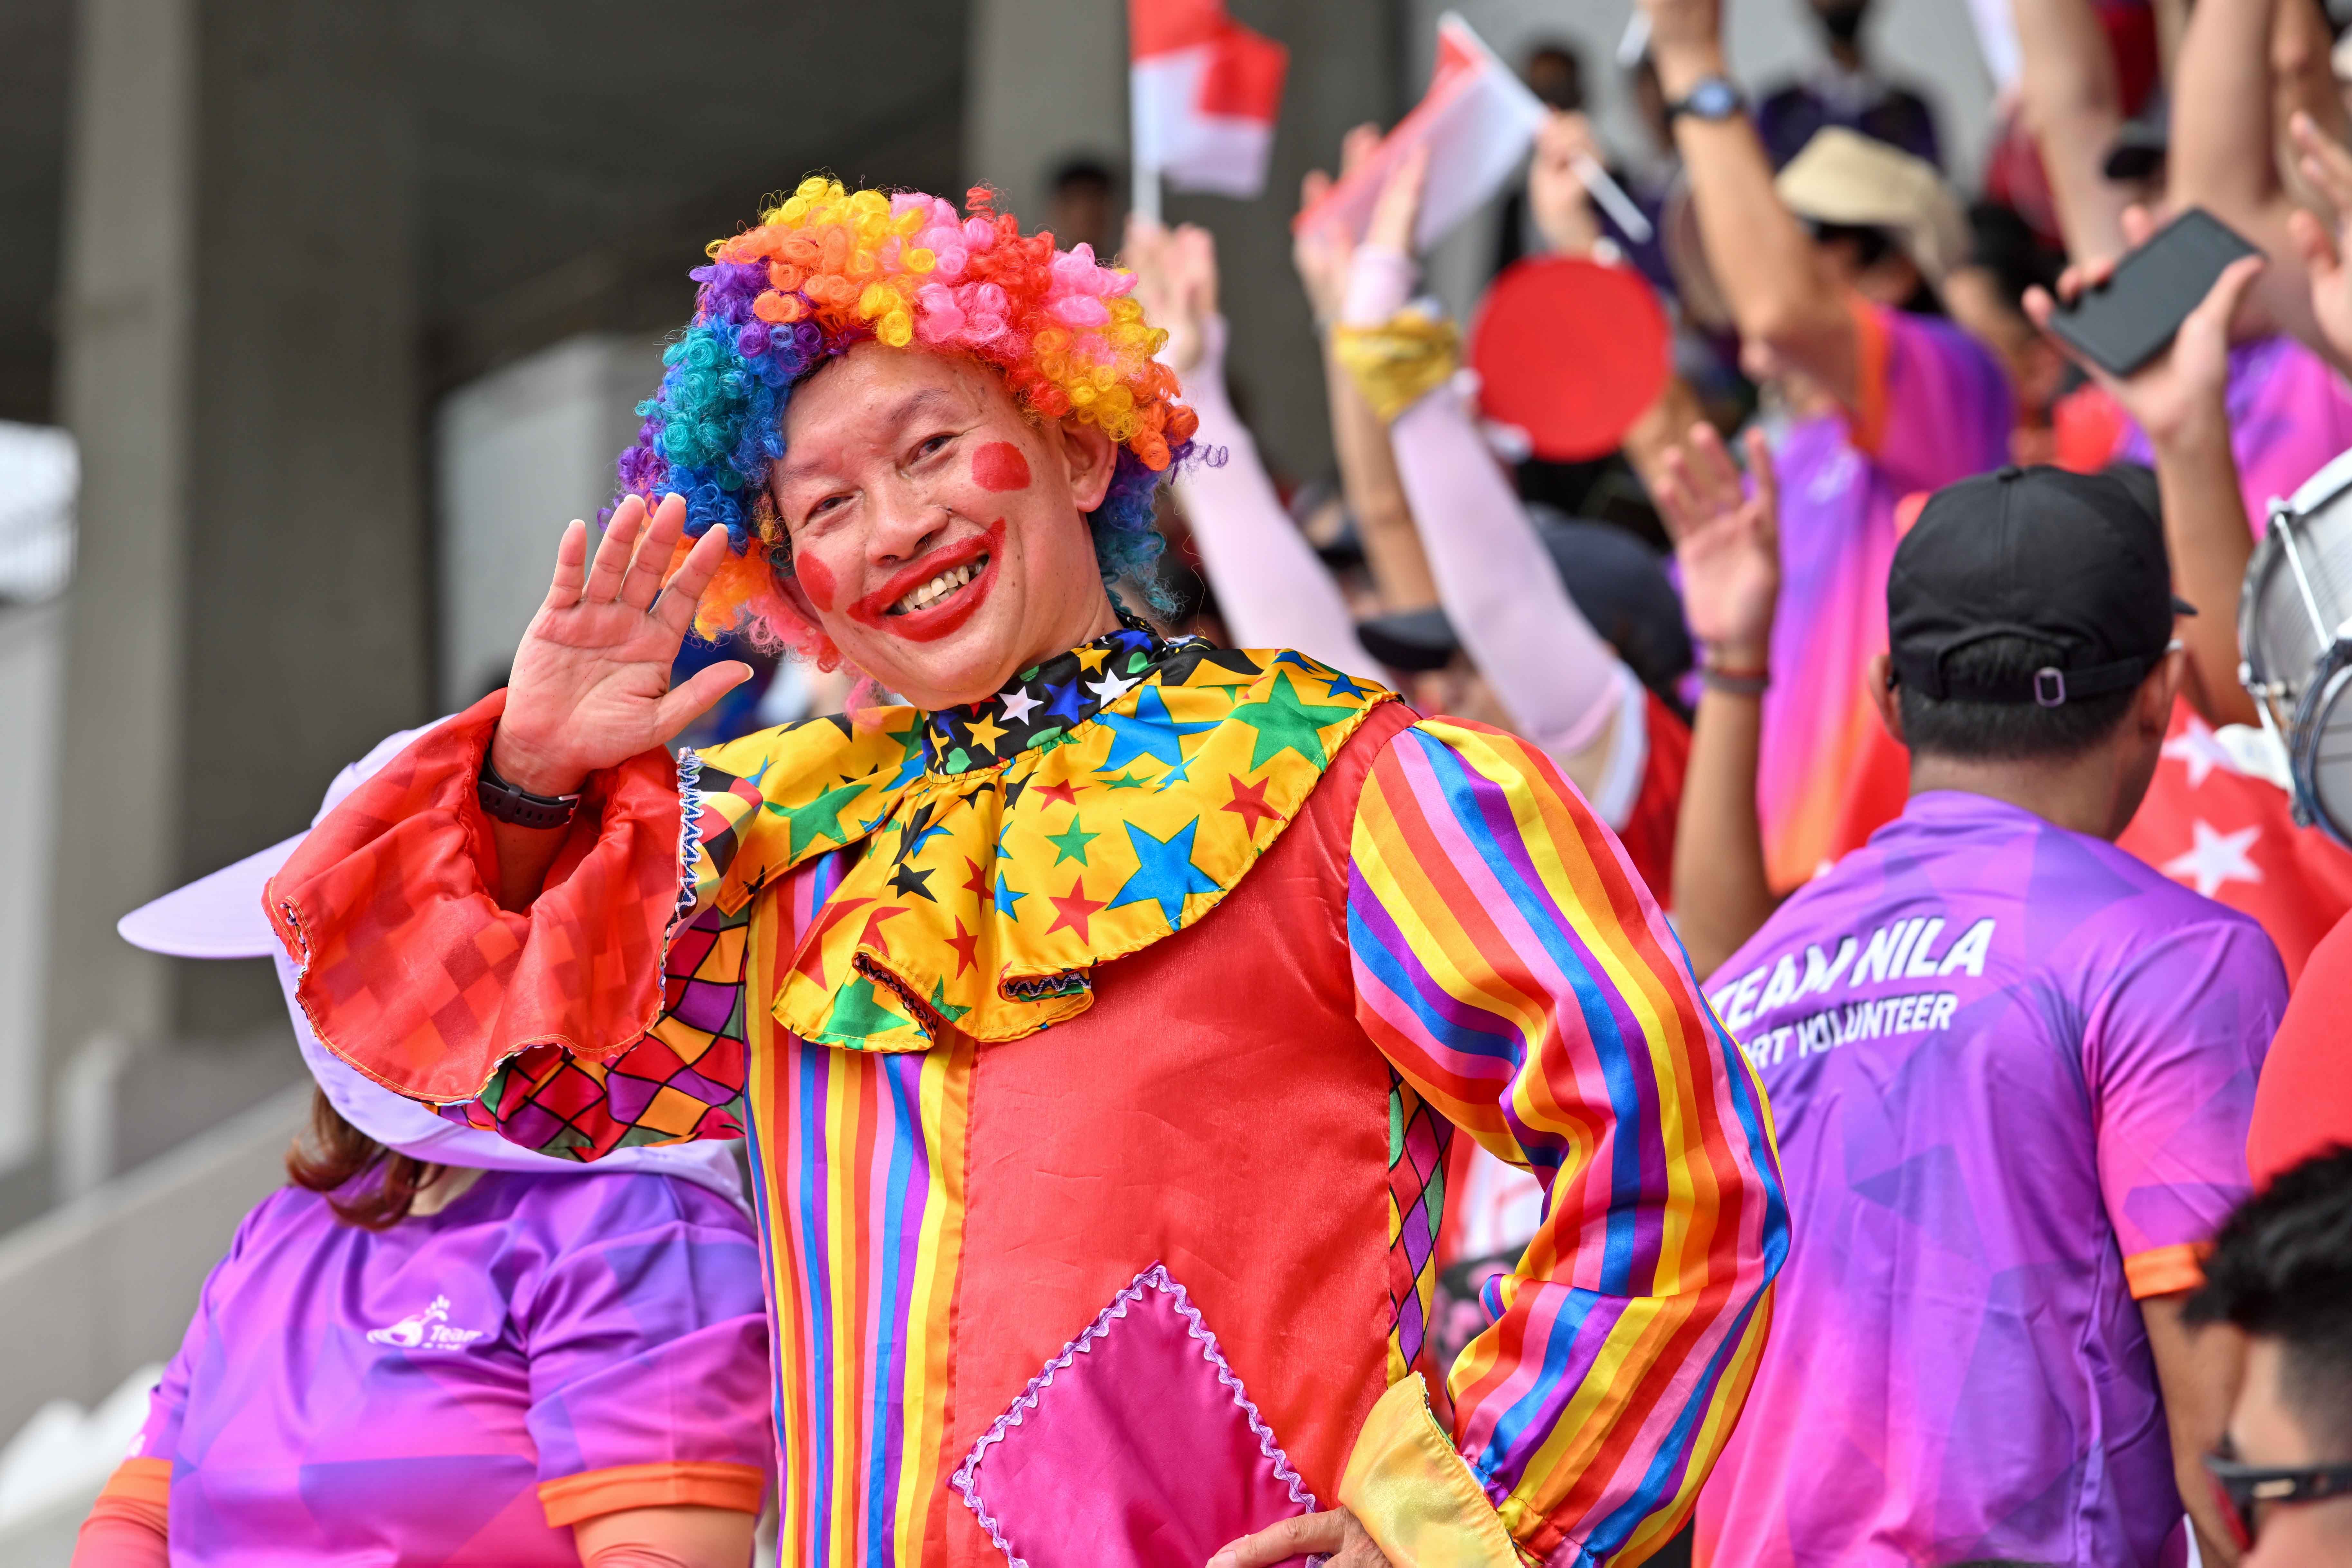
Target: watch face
(1714,98)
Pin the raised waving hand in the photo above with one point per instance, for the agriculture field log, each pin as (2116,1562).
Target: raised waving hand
(591,683)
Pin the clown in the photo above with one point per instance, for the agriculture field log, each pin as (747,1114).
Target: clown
(1100,1018)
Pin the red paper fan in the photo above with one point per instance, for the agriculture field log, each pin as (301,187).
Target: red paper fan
(1570,352)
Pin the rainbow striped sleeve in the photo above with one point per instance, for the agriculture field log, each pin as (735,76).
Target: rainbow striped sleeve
(1518,975)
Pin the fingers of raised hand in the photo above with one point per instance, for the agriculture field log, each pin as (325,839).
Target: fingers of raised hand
(1711,465)
(1767,482)
(1309,1534)
(650,563)
(571,563)
(2313,243)
(2324,162)
(2221,300)
(1355,146)
(1394,218)
(1672,492)
(612,563)
(2138,223)
(674,609)
(683,705)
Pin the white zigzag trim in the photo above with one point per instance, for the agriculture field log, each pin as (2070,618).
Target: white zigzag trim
(966,1480)
(689,838)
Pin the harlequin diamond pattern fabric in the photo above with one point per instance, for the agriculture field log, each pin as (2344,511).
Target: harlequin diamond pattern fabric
(1417,1140)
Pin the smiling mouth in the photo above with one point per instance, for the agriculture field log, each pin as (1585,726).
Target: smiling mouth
(940,589)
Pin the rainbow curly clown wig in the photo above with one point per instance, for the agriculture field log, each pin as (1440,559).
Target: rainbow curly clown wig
(829,268)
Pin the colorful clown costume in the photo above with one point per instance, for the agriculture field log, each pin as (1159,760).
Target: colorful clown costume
(1168,954)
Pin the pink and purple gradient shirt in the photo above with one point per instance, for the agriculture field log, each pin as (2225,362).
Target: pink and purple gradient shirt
(464,1386)
(1934,408)
(2011,1068)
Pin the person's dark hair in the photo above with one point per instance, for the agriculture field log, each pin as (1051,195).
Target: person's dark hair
(1083,171)
(2008,731)
(2282,1269)
(364,1183)
(1873,244)
(2002,243)
(1555,73)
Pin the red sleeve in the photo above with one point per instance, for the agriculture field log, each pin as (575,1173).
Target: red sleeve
(2304,1103)
(1648,834)
(409,970)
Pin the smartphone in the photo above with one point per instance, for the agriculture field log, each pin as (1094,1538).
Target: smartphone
(2127,322)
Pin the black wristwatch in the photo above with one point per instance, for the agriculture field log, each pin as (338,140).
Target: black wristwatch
(511,803)
(1711,97)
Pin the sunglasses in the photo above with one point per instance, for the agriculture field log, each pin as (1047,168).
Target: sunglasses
(2240,1487)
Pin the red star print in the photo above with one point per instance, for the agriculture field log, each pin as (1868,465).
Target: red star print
(811,961)
(1249,803)
(966,947)
(872,931)
(1075,910)
(977,882)
(1061,792)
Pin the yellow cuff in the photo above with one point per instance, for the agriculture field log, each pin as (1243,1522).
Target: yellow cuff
(1414,1494)
(1399,361)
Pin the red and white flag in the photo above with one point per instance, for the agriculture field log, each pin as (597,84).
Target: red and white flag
(2213,823)
(1204,94)
(1477,119)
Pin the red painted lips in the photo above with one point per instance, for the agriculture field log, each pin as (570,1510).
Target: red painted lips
(938,619)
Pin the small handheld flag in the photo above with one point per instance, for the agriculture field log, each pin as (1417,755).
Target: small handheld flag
(1204,94)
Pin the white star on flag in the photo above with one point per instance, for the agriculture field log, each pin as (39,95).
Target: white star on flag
(2215,858)
(1017,705)
(1110,687)
(2201,750)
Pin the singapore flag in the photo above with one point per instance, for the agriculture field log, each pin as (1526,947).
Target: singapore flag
(1205,92)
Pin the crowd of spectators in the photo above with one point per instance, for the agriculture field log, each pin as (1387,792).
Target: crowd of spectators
(1901,681)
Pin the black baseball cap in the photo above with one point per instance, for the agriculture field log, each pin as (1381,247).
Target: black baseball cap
(2073,560)
(1618,584)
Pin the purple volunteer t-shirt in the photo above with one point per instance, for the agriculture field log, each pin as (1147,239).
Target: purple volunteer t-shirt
(355,1397)
(2010,1068)
(1935,408)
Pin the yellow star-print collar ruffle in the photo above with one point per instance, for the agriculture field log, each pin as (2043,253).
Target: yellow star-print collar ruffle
(1101,802)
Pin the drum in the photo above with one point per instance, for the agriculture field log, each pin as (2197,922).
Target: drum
(2294,634)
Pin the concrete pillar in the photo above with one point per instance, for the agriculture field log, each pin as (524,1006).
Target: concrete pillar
(239,348)
(1049,82)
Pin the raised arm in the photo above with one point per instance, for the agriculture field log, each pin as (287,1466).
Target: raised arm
(2225,142)
(1782,297)
(590,688)
(2178,399)
(1729,543)
(1273,590)
(2073,107)
(1562,210)
(1561,683)
(1368,472)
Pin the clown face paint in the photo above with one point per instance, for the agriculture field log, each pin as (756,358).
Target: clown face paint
(1000,466)
(938,537)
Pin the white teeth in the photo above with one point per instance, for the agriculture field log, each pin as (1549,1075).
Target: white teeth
(939,587)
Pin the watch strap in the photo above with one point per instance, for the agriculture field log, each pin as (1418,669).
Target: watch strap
(507,802)
(1711,98)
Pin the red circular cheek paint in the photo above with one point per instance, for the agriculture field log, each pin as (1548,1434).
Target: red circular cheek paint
(816,581)
(999,465)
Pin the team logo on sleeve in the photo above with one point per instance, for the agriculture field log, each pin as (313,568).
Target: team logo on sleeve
(427,1331)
